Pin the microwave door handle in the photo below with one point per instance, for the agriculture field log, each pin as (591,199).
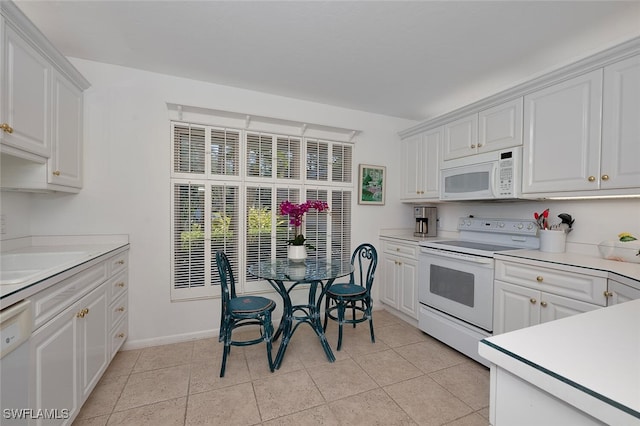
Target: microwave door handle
(494,179)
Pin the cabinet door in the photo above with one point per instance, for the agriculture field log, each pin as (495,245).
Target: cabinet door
(621,293)
(621,125)
(500,127)
(515,307)
(431,164)
(460,137)
(26,79)
(65,164)
(411,162)
(562,136)
(554,307)
(93,333)
(53,379)
(389,282)
(407,283)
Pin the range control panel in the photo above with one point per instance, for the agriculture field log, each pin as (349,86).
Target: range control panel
(501,226)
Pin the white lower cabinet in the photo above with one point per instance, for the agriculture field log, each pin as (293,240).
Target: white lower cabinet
(527,294)
(620,293)
(70,352)
(399,286)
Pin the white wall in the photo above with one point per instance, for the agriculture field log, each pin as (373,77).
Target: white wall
(126,187)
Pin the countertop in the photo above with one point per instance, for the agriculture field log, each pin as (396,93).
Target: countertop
(591,360)
(627,272)
(92,248)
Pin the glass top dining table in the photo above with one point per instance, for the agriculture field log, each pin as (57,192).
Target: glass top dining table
(284,276)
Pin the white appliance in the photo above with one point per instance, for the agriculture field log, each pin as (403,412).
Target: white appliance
(455,279)
(487,176)
(16,325)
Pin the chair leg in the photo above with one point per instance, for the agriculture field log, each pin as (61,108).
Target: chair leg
(370,315)
(353,313)
(227,349)
(268,333)
(326,310)
(341,311)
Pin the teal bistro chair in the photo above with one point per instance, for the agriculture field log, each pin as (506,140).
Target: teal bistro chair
(354,295)
(239,311)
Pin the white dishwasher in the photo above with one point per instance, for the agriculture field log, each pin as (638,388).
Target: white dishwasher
(16,325)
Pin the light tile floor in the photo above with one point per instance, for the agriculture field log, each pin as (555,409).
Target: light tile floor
(405,378)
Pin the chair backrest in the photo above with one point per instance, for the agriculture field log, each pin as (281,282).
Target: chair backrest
(364,260)
(227,281)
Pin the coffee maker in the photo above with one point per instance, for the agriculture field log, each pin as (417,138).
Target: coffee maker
(426,221)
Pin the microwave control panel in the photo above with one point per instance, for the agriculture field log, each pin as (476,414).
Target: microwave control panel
(505,175)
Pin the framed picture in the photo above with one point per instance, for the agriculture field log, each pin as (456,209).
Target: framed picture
(371,184)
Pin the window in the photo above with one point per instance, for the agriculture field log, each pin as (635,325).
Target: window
(227,185)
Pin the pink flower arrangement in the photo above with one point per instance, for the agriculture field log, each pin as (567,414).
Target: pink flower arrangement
(296,212)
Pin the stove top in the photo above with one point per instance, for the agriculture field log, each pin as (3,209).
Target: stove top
(484,237)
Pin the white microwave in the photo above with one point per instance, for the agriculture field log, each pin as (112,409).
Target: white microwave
(487,176)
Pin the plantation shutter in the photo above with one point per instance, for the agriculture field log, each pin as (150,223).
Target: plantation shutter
(225,152)
(341,159)
(224,227)
(258,225)
(317,160)
(288,157)
(284,231)
(188,149)
(316,226)
(259,155)
(188,235)
(341,225)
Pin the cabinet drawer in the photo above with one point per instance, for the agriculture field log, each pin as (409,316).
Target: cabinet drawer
(118,335)
(399,249)
(118,285)
(48,303)
(118,263)
(118,309)
(587,288)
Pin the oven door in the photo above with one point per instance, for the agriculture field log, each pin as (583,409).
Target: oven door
(457,284)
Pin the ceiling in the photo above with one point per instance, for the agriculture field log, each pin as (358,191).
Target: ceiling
(413,60)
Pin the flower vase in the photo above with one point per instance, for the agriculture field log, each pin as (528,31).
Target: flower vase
(297,254)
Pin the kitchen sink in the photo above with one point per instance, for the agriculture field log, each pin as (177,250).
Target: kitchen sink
(23,266)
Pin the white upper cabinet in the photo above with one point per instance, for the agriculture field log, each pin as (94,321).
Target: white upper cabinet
(420,166)
(25,102)
(489,130)
(562,136)
(41,110)
(620,164)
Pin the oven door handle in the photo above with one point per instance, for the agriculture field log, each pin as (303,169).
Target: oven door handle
(458,256)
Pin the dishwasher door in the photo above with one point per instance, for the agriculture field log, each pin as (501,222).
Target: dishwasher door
(16,325)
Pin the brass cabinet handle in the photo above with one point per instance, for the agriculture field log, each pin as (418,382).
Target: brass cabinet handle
(539,279)
(591,178)
(6,128)
(120,335)
(543,304)
(56,173)
(608,294)
(605,177)
(533,301)
(120,309)
(120,284)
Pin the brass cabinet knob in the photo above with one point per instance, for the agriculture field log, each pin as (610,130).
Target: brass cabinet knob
(608,294)
(120,262)
(120,284)
(591,178)
(473,145)
(479,145)
(543,304)
(539,279)
(80,314)
(120,335)
(56,173)
(605,177)
(6,128)
(120,309)
(533,301)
